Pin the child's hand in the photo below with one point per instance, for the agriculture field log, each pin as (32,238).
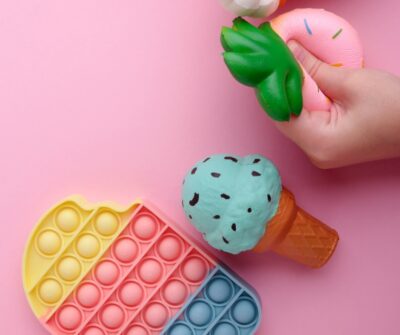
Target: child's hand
(363,123)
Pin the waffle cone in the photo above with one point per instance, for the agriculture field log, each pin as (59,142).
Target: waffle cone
(295,234)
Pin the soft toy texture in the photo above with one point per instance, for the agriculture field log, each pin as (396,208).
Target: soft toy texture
(259,57)
(230,199)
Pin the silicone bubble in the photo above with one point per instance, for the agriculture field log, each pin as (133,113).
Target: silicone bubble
(125,250)
(181,329)
(175,292)
(88,246)
(69,317)
(194,269)
(200,313)
(156,315)
(244,312)
(107,224)
(150,271)
(145,227)
(137,330)
(110,270)
(69,268)
(131,294)
(88,295)
(93,330)
(50,291)
(170,248)
(107,272)
(68,220)
(49,242)
(220,290)
(226,328)
(112,316)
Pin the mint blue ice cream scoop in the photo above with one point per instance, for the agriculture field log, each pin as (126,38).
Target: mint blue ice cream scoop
(230,199)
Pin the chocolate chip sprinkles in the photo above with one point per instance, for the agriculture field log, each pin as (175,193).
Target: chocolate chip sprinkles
(269,198)
(257,160)
(216,217)
(194,170)
(207,159)
(225,240)
(225,196)
(230,158)
(233,226)
(195,200)
(249,210)
(215,174)
(256,174)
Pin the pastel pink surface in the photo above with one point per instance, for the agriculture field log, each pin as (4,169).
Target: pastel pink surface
(115,100)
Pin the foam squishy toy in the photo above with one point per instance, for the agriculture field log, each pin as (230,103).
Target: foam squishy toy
(259,57)
(106,269)
(239,204)
(255,8)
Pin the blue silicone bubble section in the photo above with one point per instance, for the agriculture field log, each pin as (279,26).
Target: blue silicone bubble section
(241,318)
(222,305)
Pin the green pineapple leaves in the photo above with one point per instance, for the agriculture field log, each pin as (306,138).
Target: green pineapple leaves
(259,58)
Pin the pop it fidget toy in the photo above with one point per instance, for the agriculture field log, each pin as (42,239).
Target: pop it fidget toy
(105,269)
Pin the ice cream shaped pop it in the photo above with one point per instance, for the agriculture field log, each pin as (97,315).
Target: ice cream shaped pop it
(96,269)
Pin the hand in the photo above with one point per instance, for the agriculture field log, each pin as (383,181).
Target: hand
(363,123)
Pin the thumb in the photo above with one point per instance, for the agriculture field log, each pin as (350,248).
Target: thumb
(329,78)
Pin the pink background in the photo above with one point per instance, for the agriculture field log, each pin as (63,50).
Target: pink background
(117,99)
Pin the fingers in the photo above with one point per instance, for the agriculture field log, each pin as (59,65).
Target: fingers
(313,133)
(304,129)
(329,79)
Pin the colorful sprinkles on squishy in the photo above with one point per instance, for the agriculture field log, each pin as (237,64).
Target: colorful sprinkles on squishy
(259,57)
(97,269)
(239,204)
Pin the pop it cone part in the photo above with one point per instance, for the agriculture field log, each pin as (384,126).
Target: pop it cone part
(243,312)
(240,319)
(64,245)
(225,328)
(219,290)
(149,277)
(208,310)
(297,235)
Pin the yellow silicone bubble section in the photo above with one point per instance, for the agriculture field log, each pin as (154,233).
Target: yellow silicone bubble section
(66,243)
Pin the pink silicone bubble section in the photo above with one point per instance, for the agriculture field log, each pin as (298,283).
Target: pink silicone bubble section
(141,281)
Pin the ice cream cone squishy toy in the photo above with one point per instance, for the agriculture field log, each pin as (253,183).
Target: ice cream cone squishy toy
(254,8)
(259,57)
(239,204)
